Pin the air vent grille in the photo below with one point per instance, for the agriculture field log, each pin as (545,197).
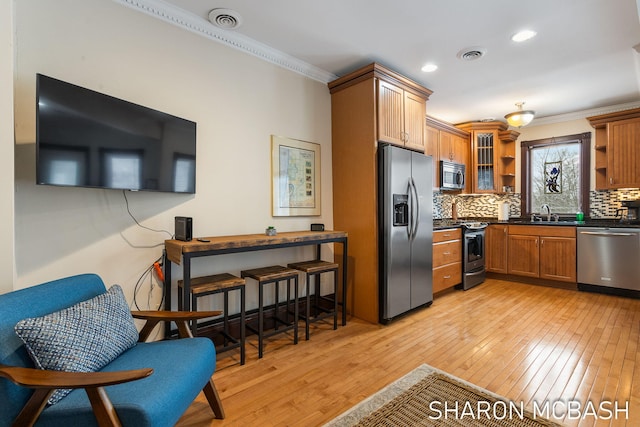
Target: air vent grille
(226,19)
(471,53)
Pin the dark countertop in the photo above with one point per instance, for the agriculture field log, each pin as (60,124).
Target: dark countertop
(439,224)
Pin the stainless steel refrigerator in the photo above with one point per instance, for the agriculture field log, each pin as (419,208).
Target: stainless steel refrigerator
(406,230)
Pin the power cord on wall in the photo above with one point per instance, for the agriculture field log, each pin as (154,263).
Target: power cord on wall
(148,272)
(155,266)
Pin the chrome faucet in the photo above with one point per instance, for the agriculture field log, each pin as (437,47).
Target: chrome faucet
(542,208)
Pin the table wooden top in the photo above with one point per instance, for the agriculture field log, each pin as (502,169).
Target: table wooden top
(175,248)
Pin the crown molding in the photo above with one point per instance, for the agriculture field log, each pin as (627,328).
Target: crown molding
(583,114)
(198,25)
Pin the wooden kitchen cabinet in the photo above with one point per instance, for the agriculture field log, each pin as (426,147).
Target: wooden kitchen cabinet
(524,255)
(447,258)
(401,116)
(357,109)
(492,156)
(446,142)
(617,162)
(546,252)
(496,237)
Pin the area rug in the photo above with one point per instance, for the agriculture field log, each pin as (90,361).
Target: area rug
(427,396)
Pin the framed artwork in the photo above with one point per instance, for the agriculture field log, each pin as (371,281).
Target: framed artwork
(295,170)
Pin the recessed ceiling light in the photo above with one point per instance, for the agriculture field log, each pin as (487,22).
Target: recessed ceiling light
(523,35)
(429,68)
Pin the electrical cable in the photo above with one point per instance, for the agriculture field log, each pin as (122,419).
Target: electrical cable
(124,194)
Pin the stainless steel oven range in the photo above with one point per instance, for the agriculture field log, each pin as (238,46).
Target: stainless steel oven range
(473,252)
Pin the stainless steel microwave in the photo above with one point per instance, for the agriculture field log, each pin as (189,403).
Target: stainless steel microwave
(451,176)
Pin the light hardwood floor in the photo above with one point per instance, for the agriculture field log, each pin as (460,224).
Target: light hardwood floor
(528,343)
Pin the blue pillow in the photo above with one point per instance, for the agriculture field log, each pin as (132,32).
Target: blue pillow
(82,338)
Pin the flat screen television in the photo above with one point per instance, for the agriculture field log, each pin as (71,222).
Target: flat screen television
(88,139)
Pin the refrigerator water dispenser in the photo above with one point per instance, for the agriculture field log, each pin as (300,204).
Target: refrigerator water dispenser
(400,210)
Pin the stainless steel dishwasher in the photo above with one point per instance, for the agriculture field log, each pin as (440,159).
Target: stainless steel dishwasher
(609,260)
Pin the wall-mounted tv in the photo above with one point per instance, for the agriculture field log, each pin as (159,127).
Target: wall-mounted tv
(89,139)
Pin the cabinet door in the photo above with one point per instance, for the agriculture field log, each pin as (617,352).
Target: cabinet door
(432,148)
(623,165)
(415,112)
(446,146)
(524,257)
(484,161)
(390,113)
(558,258)
(460,150)
(496,245)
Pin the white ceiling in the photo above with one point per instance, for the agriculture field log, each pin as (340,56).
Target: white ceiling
(583,57)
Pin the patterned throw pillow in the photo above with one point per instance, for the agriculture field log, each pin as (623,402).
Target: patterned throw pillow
(81,338)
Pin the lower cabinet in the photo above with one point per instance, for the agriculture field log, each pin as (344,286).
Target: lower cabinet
(546,252)
(496,236)
(447,258)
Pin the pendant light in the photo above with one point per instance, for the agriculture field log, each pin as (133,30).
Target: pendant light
(521,117)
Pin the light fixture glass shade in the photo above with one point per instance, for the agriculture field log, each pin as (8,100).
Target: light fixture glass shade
(521,117)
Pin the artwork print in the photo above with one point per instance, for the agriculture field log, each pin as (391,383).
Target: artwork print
(296,177)
(553,177)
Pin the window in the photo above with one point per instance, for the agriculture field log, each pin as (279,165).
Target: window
(555,172)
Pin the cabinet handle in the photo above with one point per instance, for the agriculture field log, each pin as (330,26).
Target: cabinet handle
(447,277)
(446,253)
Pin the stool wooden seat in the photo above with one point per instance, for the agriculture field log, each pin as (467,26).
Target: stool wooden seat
(214,284)
(274,274)
(313,269)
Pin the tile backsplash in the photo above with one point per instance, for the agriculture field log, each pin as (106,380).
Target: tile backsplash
(474,205)
(603,203)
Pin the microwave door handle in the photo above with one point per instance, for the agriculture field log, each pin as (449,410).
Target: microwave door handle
(461,178)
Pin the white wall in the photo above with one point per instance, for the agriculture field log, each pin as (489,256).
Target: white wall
(237,100)
(7,264)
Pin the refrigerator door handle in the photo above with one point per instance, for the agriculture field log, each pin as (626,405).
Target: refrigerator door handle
(415,208)
(410,222)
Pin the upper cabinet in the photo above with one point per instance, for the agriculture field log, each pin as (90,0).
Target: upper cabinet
(493,149)
(617,149)
(446,142)
(401,105)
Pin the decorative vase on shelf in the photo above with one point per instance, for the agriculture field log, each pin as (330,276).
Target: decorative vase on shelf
(270,231)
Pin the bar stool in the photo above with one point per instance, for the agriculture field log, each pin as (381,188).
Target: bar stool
(314,269)
(274,274)
(220,283)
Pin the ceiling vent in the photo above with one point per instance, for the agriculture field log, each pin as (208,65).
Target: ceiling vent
(471,53)
(226,19)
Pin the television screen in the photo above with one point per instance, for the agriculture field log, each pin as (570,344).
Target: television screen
(89,139)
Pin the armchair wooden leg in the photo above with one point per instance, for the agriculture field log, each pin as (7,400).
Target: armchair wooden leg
(33,408)
(103,408)
(214,400)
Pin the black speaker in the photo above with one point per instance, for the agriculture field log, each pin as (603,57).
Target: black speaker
(317,227)
(184,228)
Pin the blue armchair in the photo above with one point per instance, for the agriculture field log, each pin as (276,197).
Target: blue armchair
(148,384)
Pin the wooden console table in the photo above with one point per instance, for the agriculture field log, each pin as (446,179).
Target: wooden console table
(181,252)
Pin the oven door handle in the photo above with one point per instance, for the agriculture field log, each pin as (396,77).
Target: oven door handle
(475,273)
